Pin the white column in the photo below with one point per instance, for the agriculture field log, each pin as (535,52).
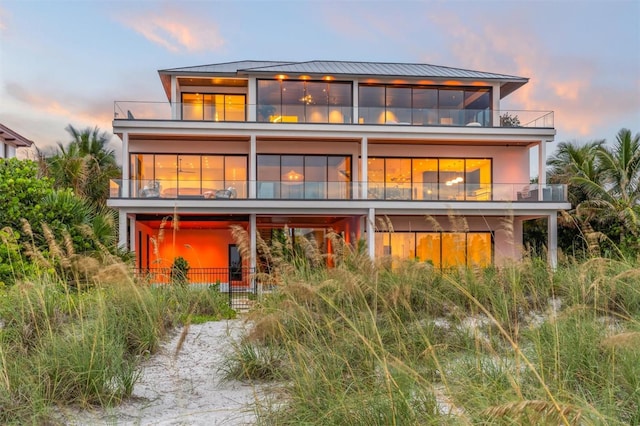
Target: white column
(253,167)
(364,171)
(371,240)
(122,229)
(542,162)
(175,102)
(132,234)
(125,185)
(552,239)
(252,99)
(496,105)
(356,113)
(253,255)
(542,171)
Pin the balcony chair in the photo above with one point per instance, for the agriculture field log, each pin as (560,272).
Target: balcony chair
(150,190)
(228,193)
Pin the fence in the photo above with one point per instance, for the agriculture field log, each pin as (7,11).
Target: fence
(237,283)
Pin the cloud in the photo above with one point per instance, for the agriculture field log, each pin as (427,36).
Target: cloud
(60,107)
(4,17)
(176,30)
(571,86)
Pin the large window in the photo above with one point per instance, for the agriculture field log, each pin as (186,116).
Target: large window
(304,176)
(181,175)
(302,101)
(429,178)
(387,104)
(442,249)
(213,107)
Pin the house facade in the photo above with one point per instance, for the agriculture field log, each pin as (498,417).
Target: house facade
(417,160)
(11,141)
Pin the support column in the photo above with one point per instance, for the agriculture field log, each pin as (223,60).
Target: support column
(552,239)
(251,100)
(371,236)
(175,102)
(125,183)
(356,114)
(253,167)
(542,171)
(122,229)
(364,169)
(495,105)
(253,255)
(132,234)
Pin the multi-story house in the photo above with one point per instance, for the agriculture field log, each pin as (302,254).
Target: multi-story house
(11,141)
(417,160)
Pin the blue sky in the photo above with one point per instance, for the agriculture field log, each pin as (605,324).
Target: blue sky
(66,62)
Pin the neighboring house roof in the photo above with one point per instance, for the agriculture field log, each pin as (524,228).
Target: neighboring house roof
(10,137)
(509,83)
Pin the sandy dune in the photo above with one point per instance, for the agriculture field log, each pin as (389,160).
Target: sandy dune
(184,388)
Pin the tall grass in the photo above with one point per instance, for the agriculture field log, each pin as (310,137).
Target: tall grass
(360,343)
(75,329)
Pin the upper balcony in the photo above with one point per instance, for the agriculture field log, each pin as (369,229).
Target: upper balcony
(345,115)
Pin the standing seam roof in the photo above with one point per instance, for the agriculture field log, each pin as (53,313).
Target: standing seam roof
(344,67)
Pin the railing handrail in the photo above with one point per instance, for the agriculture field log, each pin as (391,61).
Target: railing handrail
(349,114)
(338,190)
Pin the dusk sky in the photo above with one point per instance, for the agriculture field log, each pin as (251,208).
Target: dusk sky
(66,62)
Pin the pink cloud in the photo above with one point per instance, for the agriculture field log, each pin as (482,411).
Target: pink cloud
(176,30)
(72,109)
(4,18)
(568,85)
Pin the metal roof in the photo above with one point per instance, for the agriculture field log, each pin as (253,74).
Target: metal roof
(386,69)
(509,83)
(224,68)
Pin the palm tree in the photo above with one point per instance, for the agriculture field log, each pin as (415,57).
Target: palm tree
(573,159)
(615,195)
(86,164)
(604,182)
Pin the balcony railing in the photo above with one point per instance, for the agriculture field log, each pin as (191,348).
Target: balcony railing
(300,113)
(223,190)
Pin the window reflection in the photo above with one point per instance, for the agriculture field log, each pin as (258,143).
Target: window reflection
(392,104)
(190,175)
(297,101)
(441,249)
(425,178)
(452,179)
(213,107)
(429,178)
(304,176)
(428,247)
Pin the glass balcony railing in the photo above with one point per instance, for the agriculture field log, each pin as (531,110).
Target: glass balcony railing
(374,191)
(300,113)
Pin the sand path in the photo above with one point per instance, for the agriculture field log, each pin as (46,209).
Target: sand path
(186,388)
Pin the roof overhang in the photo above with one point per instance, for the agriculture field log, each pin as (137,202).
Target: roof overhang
(11,137)
(345,70)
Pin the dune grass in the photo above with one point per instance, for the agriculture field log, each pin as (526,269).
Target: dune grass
(73,331)
(360,343)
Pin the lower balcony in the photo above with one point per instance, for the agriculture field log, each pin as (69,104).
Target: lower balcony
(381,191)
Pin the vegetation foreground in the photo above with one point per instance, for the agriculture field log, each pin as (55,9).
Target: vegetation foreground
(365,344)
(357,343)
(69,345)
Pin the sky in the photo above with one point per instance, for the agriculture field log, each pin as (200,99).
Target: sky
(66,62)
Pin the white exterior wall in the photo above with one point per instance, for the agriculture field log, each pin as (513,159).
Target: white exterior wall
(7,150)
